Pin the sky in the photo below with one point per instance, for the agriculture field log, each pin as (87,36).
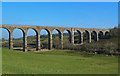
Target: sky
(102,15)
(60,0)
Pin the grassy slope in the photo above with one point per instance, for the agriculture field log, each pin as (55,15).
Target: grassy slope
(52,63)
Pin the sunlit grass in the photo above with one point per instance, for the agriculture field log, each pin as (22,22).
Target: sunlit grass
(57,62)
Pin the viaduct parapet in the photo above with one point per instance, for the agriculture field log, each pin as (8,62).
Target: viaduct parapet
(37,29)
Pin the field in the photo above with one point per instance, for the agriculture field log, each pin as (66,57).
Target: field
(57,62)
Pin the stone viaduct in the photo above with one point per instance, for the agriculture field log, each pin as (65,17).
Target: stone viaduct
(37,29)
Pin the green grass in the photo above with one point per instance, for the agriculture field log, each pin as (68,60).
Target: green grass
(56,62)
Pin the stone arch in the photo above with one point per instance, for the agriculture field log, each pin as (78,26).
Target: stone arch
(8,31)
(32,43)
(86,36)
(100,35)
(107,35)
(33,29)
(94,35)
(106,32)
(70,34)
(57,30)
(47,44)
(67,39)
(48,31)
(56,38)
(17,43)
(77,38)
(20,29)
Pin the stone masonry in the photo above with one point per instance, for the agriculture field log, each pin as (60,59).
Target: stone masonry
(37,29)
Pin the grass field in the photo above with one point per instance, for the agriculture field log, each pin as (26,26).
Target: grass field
(56,62)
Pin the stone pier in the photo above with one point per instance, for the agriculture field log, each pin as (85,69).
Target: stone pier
(71,31)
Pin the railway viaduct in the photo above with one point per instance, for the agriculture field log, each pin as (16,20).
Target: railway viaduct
(37,29)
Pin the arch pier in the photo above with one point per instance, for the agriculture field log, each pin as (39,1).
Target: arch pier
(83,32)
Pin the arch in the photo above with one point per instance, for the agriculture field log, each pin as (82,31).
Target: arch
(56,36)
(100,35)
(32,39)
(18,39)
(33,29)
(86,36)
(5,29)
(5,38)
(45,38)
(46,30)
(57,31)
(77,37)
(70,34)
(107,35)
(66,39)
(19,29)
(94,35)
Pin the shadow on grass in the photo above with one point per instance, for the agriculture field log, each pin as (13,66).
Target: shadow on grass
(18,49)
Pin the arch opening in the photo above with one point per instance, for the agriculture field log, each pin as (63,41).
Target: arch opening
(44,39)
(86,37)
(94,36)
(4,37)
(100,35)
(56,36)
(77,37)
(32,39)
(107,35)
(18,39)
(66,39)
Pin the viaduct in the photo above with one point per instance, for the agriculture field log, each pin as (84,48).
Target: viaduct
(37,29)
